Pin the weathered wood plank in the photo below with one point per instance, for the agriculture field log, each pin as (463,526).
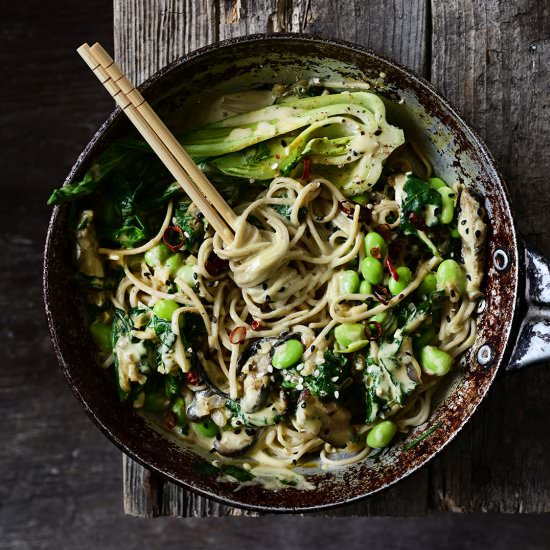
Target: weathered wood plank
(151,33)
(492,59)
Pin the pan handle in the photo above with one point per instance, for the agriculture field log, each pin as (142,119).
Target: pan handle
(533,337)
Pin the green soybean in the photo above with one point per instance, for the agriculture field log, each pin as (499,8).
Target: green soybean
(427,286)
(165,309)
(155,402)
(450,277)
(436,183)
(381,434)
(179,409)
(375,240)
(435,361)
(405,277)
(101,335)
(348,282)
(365,288)
(447,204)
(287,354)
(157,255)
(207,427)
(349,333)
(372,270)
(186,273)
(173,263)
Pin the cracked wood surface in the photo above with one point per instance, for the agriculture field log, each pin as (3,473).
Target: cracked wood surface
(491,59)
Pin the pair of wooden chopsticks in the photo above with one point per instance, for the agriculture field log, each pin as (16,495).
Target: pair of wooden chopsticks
(205,196)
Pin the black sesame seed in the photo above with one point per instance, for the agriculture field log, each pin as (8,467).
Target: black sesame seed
(467,230)
(453,293)
(469,277)
(463,222)
(452,195)
(378,132)
(448,319)
(267,298)
(167,283)
(479,211)
(250,432)
(283,143)
(477,233)
(303,405)
(218,436)
(237,431)
(195,276)
(264,286)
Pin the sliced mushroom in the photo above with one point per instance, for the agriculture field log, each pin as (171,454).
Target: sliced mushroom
(330,421)
(472,230)
(268,416)
(204,402)
(232,443)
(256,379)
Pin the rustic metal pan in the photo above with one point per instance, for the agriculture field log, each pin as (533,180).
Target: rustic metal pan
(513,319)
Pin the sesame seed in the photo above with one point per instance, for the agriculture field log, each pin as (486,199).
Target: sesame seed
(337,394)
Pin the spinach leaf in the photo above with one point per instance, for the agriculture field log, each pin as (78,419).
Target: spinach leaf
(192,225)
(285,210)
(163,330)
(328,376)
(122,325)
(420,201)
(410,315)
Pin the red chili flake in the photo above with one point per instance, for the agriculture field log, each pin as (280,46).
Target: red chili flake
(381,293)
(193,377)
(173,238)
(215,265)
(385,230)
(391,269)
(375,330)
(256,325)
(375,252)
(237,335)
(277,156)
(417,221)
(170,419)
(307,168)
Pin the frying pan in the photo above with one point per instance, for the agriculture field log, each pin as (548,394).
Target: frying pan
(513,318)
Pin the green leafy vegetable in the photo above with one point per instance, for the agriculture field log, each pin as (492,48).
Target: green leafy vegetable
(191,223)
(328,376)
(207,469)
(420,206)
(421,437)
(411,316)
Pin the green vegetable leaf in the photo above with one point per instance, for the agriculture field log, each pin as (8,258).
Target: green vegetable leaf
(329,376)
(191,224)
(423,202)
(411,316)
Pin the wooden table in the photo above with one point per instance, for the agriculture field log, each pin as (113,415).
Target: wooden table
(491,59)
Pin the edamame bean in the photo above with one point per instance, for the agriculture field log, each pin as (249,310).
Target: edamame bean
(405,277)
(365,288)
(165,309)
(348,282)
(173,263)
(436,183)
(101,335)
(155,402)
(450,277)
(380,317)
(372,270)
(375,240)
(349,333)
(287,354)
(447,204)
(207,428)
(427,286)
(435,361)
(381,434)
(157,255)
(179,409)
(424,338)
(186,274)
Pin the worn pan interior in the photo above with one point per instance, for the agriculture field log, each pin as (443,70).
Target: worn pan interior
(456,152)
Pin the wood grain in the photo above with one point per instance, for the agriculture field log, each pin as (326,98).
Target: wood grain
(151,33)
(492,60)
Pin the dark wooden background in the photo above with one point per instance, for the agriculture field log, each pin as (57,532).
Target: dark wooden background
(60,479)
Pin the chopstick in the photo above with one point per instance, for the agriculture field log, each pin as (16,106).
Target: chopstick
(162,141)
